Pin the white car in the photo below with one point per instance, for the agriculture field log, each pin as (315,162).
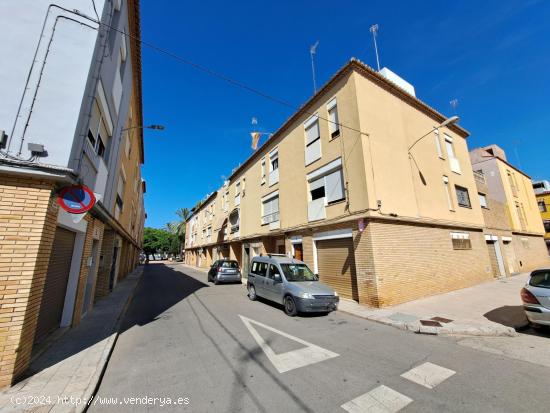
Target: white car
(536,297)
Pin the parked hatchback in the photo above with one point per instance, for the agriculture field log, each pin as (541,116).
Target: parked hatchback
(224,271)
(291,283)
(536,298)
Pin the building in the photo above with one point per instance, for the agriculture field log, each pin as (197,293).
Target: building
(514,231)
(70,113)
(542,192)
(364,185)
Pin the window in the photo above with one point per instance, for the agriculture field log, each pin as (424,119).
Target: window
(270,209)
(127,144)
(462,197)
(274,167)
(123,55)
(333,123)
(208,233)
(313,140)
(226,201)
(542,205)
(521,215)
(263,171)
(482,200)
(273,271)
(512,181)
(546,226)
(97,131)
(461,241)
(438,144)
(259,268)
(453,161)
(448,193)
(238,193)
(329,186)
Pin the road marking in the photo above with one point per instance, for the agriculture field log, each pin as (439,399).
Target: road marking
(379,400)
(428,375)
(290,360)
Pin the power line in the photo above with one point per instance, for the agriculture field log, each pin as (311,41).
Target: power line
(220,75)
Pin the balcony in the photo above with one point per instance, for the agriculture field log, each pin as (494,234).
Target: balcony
(479,177)
(271,219)
(316,209)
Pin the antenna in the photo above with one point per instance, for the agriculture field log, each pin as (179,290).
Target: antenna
(454,105)
(374,31)
(312,52)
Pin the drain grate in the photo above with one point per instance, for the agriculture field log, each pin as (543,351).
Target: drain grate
(442,319)
(430,323)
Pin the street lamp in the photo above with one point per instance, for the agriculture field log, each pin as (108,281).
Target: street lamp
(154,127)
(447,122)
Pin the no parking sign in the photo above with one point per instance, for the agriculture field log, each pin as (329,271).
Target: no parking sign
(76,199)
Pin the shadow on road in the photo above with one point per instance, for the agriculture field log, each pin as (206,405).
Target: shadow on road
(508,315)
(159,289)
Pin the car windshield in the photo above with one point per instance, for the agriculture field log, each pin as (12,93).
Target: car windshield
(540,279)
(229,264)
(298,272)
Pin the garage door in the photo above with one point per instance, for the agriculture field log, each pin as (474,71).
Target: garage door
(55,286)
(336,266)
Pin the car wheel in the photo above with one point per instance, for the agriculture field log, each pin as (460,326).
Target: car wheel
(290,306)
(252,293)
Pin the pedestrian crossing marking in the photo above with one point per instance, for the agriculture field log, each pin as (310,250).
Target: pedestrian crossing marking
(379,400)
(428,375)
(290,360)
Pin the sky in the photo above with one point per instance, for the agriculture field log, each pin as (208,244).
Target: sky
(492,56)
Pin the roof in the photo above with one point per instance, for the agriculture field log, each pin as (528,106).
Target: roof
(487,158)
(367,72)
(135,47)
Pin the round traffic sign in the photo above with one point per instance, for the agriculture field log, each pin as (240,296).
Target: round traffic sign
(76,199)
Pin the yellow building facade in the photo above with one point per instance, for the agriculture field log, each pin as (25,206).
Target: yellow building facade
(363,186)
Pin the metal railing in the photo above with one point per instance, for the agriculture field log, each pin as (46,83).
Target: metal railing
(269,218)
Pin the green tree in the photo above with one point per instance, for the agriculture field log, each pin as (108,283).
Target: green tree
(157,240)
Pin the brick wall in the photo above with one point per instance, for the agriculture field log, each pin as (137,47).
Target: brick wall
(28,216)
(414,261)
(530,255)
(105,262)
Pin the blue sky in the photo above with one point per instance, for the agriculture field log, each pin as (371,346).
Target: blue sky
(493,56)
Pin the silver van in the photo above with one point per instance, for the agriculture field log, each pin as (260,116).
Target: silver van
(289,282)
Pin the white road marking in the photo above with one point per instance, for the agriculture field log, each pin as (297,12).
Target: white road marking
(428,375)
(292,359)
(379,400)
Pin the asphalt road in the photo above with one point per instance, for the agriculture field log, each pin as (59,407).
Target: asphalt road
(185,338)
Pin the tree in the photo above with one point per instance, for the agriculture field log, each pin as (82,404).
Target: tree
(178,227)
(158,241)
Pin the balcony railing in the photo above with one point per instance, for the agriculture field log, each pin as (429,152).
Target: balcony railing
(269,218)
(479,177)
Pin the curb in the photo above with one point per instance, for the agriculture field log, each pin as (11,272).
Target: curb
(448,330)
(96,381)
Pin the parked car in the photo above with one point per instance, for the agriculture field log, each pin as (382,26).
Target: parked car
(224,271)
(289,282)
(536,298)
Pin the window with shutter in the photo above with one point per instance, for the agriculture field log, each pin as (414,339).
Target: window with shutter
(313,141)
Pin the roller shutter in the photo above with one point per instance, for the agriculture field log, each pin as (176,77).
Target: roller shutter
(336,266)
(55,286)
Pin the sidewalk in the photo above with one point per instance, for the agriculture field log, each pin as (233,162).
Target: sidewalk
(492,309)
(66,374)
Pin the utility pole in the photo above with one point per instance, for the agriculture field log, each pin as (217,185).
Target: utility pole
(374,31)
(312,52)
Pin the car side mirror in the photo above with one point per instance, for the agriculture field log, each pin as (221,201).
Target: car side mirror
(277,278)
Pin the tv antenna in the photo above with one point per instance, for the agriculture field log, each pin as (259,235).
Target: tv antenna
(374,31)
(313,52)
(454,105)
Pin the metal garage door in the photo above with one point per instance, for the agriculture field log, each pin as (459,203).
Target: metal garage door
(55,286)
(336,266)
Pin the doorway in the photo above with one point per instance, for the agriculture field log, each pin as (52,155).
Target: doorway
(298,251)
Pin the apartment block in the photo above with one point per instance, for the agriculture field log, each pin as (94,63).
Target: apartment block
(542,192)
(70,114)
(368,185)
(513,226)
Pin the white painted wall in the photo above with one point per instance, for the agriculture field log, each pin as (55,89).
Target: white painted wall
(59,97)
